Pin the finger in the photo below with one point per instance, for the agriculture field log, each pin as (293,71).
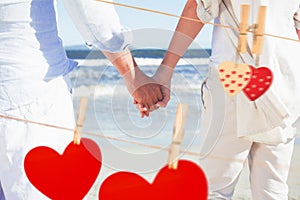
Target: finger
(154,107)
(163,103)
(151,98)
(142,114)
(143,108)
(159,94)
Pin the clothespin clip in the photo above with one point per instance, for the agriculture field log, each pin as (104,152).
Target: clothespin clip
(80,119)
(242,45)
(178,132)
(258,33)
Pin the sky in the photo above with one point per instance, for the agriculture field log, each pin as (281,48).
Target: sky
(135,19)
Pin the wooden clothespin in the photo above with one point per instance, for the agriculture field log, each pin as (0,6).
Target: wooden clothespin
(178,132)
(242,45)
(258,32)
(80,119)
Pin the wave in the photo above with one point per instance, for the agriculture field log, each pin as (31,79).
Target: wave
(119,89)
(142,62)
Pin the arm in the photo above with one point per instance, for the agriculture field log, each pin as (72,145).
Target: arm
(110,37)
(185,33)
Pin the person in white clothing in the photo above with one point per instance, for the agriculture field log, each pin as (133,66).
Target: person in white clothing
(34,81)
(233,128)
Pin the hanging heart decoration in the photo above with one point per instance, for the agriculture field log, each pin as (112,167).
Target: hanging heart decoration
(234,77)
(188,181)
(260,82)
(66,176)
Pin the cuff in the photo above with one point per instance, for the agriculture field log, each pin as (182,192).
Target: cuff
(297,24)
(297,19)
(207,10)
(119,41)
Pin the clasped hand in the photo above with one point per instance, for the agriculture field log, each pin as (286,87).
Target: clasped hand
(149,93)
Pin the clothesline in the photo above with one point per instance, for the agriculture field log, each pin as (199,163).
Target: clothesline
(106,137)
(93,134)
(191,19)
(189,153)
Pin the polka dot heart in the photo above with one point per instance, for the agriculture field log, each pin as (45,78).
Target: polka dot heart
(260,82)
(234,77)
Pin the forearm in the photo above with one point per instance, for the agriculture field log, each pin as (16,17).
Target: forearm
(187,29)
(123,61)
(127,67)
(298,32)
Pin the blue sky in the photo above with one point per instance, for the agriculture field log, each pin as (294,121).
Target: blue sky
(135,19)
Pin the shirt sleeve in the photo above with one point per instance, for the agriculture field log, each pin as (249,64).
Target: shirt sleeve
(297,19)
(99,24)
(207,9)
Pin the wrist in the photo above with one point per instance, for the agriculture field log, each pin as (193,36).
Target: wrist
(135,78)
(164,74)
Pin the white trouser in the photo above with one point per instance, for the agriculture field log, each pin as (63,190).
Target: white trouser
(223,156)
(17,138)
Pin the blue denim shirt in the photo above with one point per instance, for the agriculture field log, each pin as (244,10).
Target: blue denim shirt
(31,52)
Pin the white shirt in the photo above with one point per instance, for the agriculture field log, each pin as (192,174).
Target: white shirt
(279,107)
(31,53)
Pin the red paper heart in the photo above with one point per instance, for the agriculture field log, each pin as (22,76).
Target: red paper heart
(187,182)
(260,82)
(67,176)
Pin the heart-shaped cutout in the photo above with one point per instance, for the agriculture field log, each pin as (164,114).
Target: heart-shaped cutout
(66,176)
(260,82)
(234,77)
(188,181)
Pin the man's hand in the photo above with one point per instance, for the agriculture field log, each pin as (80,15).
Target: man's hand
(145,90)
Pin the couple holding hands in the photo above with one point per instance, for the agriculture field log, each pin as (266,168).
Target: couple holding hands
(34,86)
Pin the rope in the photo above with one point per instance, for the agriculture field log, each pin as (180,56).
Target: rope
(191,19)
(94,134)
